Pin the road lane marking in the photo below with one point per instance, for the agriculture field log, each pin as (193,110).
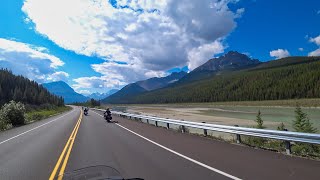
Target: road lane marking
(179,154)
(69,145)
(183,156)
(69,151)
(35,128)
(63,152)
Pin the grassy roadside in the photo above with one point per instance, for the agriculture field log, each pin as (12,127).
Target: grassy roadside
(38,115)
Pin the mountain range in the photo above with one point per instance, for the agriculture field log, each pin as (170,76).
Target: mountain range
(232,61)
(99,96)
(144,86)
(233,77)
(61,88)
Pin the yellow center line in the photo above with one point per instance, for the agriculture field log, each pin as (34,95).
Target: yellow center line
(63,167)
(70,140)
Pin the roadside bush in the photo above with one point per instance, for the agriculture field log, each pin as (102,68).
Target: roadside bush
(254,141)
(281,127)
(35,117)
(307,150)
(259,121)
(3,124)
(13,113)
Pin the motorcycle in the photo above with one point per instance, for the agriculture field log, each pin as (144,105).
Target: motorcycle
(85,112)
(100,172)
(108,117)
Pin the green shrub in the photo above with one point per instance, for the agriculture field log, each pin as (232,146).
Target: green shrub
(36,117)
(13,113)
(304,149)
(3,123)
(259,121)
(254,141)
(281,127)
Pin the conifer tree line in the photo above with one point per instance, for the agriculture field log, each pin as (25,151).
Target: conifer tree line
(90,103)
(21,89)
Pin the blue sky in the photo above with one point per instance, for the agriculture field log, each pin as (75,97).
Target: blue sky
(100,45)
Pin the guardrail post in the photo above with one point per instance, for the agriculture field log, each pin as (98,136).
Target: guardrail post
(288,145)
(156,123)
(183,130)
(205,132)
(238,136)
(168,127)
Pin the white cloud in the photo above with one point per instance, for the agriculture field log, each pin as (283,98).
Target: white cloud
(240,12)
(300,49)
(279,53)
(126,73)
(84,92)
(202,54)
(31,61)
(315,40)
(58,76)
(315,52)
(150,36)
(35,52)
(96,82)
(112,78)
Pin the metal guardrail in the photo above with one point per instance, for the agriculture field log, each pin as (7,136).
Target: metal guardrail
(287,136)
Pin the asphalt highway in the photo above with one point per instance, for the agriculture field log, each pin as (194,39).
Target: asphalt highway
(70,141)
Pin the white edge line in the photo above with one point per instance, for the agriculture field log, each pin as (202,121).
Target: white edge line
(35,128)
(181,155)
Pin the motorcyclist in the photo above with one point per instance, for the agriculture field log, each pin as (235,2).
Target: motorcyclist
(86,109)
(107,115)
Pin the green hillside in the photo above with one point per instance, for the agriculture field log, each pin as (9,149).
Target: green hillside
(288,78)
(19,88)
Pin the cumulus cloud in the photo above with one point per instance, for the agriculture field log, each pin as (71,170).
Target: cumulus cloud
(240,12)
(87,85)
(84,92)
(58,76)
(200,55)
(300,49)
(279,53)
(112,79)
(315,52)
(153,36)
(315,40)
(29,60)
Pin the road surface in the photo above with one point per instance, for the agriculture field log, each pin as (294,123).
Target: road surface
(69,141)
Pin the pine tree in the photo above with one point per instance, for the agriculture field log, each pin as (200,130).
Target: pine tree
(259,120)
(302,122)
